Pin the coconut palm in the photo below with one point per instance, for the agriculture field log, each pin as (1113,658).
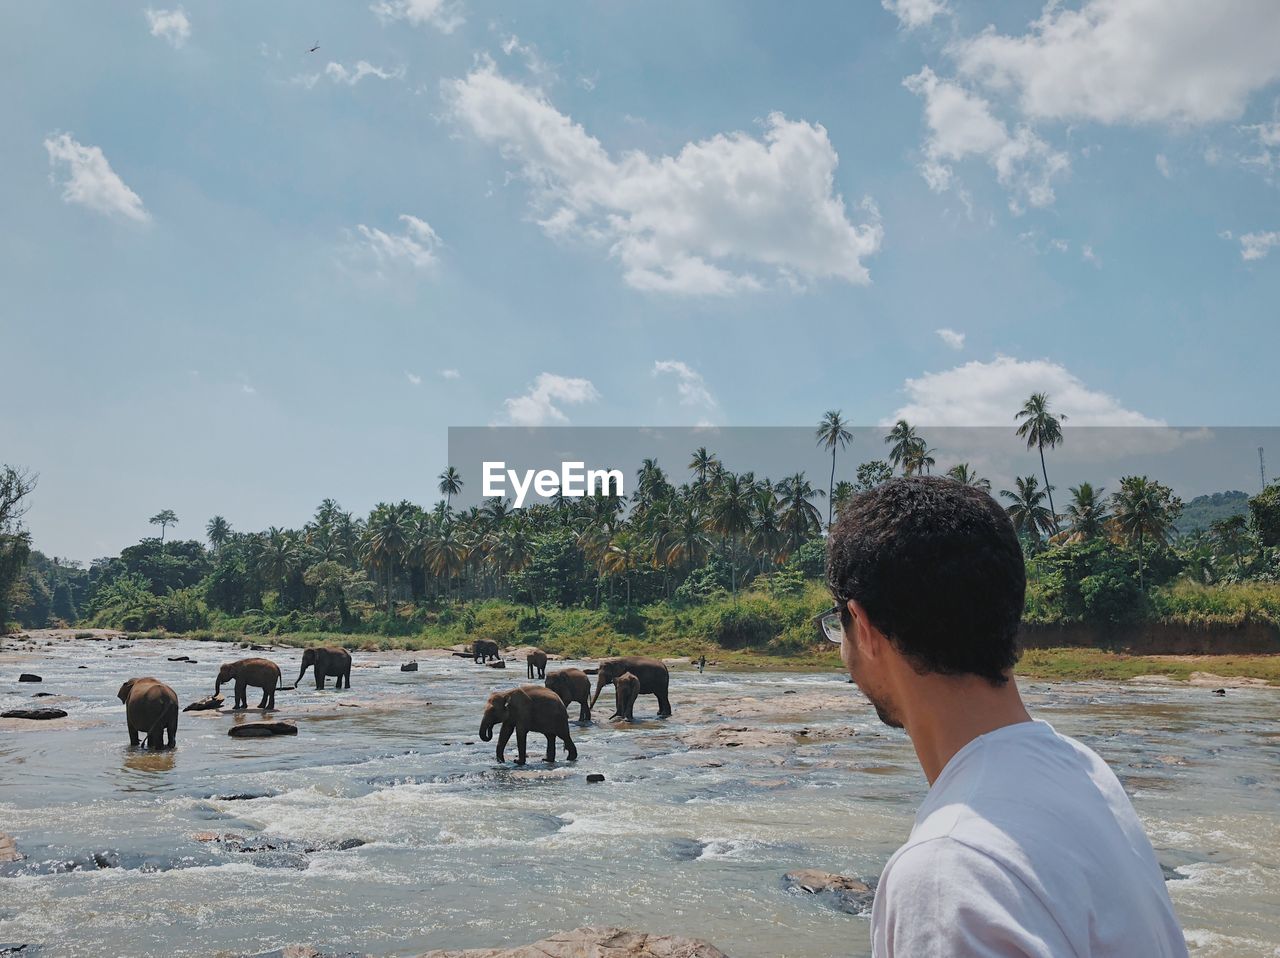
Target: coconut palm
(903,443)
(1232,536)
(623,556)
(446,553)
(920,460)
(766,538)
(833,433)
(278,557)
(450,484)
(1041,428)
(800,517)
(218,530)
(1144,511)
(842,495)
(1087,513)
(730,515)
(686,539)
(387,541)
(1026,509)
(963,473)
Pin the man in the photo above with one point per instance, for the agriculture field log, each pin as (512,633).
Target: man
(1026,843)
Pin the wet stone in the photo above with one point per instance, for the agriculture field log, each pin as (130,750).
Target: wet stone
(595,777)
(201,705)
(839,891)
(29,677)
(35,715)
(262,729)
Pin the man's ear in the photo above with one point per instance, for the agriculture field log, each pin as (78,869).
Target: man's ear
(868,640)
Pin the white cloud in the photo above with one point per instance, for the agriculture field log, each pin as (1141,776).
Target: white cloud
(90,181)
(340,74)
(1162,164)
(541,404)
(511,45)
(1089,256)
(723,215)
(1133,61)
(1257,245)
(690,385)
(414,380)
(415,247)
(450,374)
(962,124)
(170,25)
(951,338)
(988,394)
(441,14)
(915,13)
(247,389)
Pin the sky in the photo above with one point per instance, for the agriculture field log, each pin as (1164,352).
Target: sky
(238,275)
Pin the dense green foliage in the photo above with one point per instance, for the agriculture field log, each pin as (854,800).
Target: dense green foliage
(1203,511)
(723,560)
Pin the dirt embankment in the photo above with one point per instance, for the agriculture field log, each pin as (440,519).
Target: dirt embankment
(1157,638)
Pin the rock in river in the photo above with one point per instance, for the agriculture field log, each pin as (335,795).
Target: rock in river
(846,894)
(409,667)
(201,705)
(29,677)
(596,943)
(262,729)
(35,715)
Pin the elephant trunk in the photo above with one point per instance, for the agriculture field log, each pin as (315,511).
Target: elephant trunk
(300,675)
(600,684)
(486,730)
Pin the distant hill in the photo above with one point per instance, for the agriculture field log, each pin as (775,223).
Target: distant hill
(1202,511)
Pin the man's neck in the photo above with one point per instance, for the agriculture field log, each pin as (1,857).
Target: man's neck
(943,714)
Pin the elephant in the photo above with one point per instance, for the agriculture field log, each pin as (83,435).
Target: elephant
(529,708)
(625,687)
(572,685)
(260,673)
(537,659)
(329,660)
(485,649)
(150,707)
(653,676)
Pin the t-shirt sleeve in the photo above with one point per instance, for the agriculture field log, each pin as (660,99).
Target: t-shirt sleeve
(942,897)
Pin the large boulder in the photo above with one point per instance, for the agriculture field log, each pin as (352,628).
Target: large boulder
(29,677)
(596,943)
(262,729)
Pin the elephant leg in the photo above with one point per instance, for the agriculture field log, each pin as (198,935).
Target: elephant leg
(133,735)
(522,738)
(271,698)
(570,750)
(347,675)
(664,704)
(503,738)
(242,694)
(584,711)
(551,746)
(173,733)
(319,680)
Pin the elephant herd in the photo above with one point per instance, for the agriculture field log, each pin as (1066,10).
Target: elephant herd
(151,706)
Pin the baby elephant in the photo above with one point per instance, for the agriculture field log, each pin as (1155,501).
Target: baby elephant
(150,707)
(626,690)
(537,660)
(260,673)
(530,708)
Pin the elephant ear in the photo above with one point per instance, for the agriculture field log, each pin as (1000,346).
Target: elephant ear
(123,694)
(519,698)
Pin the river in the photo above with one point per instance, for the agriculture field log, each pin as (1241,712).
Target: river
(688,834)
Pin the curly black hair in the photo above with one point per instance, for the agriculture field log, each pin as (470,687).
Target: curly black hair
(939,570)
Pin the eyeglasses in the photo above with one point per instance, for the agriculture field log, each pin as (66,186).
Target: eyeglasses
(830,626)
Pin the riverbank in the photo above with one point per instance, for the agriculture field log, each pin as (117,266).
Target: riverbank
(1053,664)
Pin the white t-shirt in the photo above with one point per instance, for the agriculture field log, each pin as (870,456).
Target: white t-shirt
(1025,845)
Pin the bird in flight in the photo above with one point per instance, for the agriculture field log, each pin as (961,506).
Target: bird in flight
(314,48)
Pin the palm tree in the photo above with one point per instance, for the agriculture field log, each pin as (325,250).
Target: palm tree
(218,530)
(731,516)
(833,432)
(903,443)
(963,473)
(687,542)
(1040,428)
(920,460)
(1026,509)
(1144,510)
(800,517)
(450,484)
(278,557)
(164,519)
(1232,534)
(1087,513)
(842,495)
(387,541)
(622,557)
(446,553)
(767,538)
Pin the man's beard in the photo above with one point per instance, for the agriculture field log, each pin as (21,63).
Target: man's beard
(884,709)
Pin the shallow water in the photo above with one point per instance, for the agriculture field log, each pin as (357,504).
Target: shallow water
(462,852)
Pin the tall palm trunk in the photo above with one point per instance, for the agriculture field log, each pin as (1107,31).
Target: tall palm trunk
(1045,472)
(831,487)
